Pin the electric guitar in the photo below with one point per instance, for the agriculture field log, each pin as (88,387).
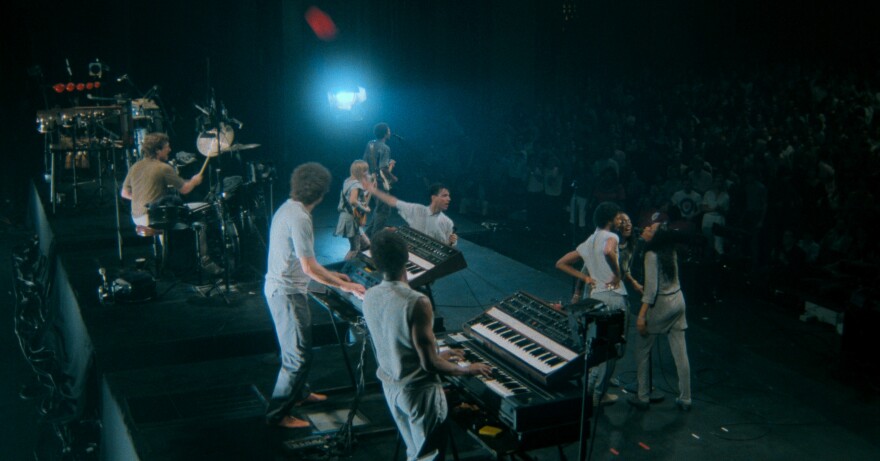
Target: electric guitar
(386,182)
(360,212)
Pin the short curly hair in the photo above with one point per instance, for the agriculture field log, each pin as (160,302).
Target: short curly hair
(605,213)
(309,182)
(390,253)
(380,130)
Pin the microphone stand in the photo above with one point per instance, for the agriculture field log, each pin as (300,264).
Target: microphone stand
(580,311)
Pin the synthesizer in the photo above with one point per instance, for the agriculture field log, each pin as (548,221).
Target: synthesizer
(529,334)
(518,402)
(429,259)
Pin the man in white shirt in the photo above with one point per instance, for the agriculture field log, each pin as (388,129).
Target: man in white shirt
(687,200)
(599,254)
(429,220)
(292,264)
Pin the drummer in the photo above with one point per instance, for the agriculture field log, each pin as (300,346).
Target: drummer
(148,179)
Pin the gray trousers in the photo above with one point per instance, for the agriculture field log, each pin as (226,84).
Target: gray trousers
(599,376)
(293,326)
(419,414)
(678,346)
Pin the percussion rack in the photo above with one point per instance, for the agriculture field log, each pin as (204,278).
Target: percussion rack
(81,121)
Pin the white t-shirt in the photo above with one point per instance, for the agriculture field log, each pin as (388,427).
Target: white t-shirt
(687,203)
(438,226)
(592,251)
(291,237)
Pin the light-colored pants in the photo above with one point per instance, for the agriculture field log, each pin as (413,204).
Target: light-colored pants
(419,415)
(293,327)
(597,382)
(678,346)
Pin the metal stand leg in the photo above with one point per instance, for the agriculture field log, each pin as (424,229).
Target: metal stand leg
(198,228)
(342,349)
(116,202)
(52,191)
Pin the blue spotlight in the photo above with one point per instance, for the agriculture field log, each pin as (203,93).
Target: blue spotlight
(346,99)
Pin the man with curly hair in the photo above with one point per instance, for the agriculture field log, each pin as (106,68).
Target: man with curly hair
(291,266)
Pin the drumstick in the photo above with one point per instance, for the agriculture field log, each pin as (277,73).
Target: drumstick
(204,165)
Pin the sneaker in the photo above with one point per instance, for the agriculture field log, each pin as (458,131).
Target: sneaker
(292,422)
(639,404)
(682,405)
(312,398)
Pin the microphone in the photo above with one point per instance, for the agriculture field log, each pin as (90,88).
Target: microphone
(69,71)
(121,78)
(395,135)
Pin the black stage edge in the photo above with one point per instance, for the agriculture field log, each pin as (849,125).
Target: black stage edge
(179,327)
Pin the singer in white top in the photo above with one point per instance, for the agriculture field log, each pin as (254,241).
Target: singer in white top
(430,219)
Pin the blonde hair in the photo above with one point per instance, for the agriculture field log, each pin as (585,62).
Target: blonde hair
(359,169)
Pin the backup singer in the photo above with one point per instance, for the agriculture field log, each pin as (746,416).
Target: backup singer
(291,265)
(400,322)
(353,209)
(662,312)
(429,220)
(148,179)
(378,156)
(600,256)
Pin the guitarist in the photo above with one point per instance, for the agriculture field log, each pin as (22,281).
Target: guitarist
(353,209)
(378,157)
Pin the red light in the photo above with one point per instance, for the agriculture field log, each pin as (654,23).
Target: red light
(58,87)
(70,86)
(90,85)
(80,86)
(97,84)
(321,23)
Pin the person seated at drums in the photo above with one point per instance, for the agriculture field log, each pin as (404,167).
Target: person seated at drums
(150,179)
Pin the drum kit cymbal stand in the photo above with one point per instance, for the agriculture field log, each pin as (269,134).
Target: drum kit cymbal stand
(212,143)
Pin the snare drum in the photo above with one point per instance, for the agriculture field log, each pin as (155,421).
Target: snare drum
(198,211)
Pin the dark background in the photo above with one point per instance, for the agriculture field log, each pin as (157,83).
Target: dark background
(422,62)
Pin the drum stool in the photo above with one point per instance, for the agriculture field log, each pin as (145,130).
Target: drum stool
(156,234)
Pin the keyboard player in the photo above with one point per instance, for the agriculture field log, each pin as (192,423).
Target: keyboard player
(430,219)
(400,322)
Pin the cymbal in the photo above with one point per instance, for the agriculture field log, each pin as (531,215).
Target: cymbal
(207,141)
(238,147)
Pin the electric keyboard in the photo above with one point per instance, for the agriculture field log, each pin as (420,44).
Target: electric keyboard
(530,335)
(359,271)
(429,259)
(537,416)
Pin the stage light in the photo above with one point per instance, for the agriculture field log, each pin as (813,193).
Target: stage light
(347,99)
(321,23)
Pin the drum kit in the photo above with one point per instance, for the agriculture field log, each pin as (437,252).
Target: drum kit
(79,137)
(234,208)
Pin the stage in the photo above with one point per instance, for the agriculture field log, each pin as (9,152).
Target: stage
(186,374)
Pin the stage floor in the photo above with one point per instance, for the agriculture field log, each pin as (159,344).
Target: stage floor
(765,385)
